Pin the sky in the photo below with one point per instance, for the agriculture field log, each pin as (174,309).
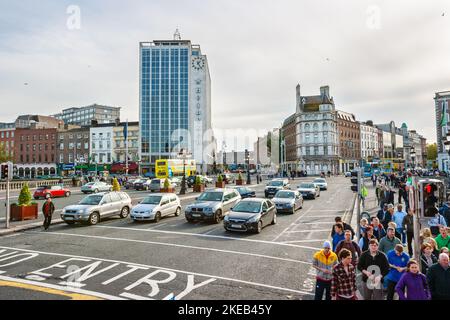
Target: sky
(383,60)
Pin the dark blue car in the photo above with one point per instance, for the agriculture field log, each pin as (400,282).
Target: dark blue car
(245,192)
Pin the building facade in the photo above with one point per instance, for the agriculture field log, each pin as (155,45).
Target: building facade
(83,116)
(7,142)
(72,149)
(289,143)
(101,145)
(35,152)
(370,138)
(441,106)
(349,141)
(317,135)
(119,142)
(175,103)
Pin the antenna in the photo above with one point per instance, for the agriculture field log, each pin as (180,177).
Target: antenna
(177,35)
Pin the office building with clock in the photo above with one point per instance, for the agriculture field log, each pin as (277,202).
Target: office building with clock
(175,103)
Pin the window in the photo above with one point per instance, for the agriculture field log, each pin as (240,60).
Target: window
(46,137)
(61,158)
(78,145)
(34,147)
(93,145)
(71,145)
(3,135)
(86,145)
(40,147)
(265,206)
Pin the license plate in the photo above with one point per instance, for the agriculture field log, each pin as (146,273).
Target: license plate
(237,226)
(196,215)
(68,218)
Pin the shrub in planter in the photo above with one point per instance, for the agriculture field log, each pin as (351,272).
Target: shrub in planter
(198,186)
(116,185)
(239,180)
(167,187)
(220,183)
(24,209)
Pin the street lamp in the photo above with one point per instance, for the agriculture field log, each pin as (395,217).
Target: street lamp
(247,160)
(183,155)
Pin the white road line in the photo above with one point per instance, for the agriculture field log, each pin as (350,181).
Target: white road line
(203,235)
(321,240)
(293,223)
(134,296)
(210,231)
(62,288)
(159,225)
(175,245)
(324,216)
(306,231)
(328,210)
(327,222)
(168,269)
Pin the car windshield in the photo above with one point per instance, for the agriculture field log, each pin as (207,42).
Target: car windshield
(276,183)
(92,200)
(43,188)
(247,206)
(285,195)
(155,182)
(307,185)
(319,180)
(90,183)
(211,196)
(152,200)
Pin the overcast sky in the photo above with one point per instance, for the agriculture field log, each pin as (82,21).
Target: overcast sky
(383,60)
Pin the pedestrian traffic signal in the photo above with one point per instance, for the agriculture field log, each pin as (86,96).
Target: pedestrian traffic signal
(354,181)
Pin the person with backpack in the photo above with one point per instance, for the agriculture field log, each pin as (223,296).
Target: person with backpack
(48,208)
(351,246)
(413,284)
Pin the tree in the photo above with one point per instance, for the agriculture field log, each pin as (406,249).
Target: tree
(432,151)
(166,184)
(25,196)
(198,180)
(4,156)
(116,185)
(219,179)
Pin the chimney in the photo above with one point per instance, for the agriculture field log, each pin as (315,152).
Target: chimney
(298,99)
(325,91)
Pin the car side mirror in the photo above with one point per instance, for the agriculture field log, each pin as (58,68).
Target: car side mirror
(264,210)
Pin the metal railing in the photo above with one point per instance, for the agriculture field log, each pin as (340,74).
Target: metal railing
(17,185)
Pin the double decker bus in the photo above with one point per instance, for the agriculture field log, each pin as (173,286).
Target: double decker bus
(168,168)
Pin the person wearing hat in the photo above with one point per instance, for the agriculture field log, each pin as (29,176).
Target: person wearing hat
(324,261)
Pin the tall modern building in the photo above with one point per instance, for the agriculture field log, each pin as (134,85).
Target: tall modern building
(175,103)
(441,106)
(84,115)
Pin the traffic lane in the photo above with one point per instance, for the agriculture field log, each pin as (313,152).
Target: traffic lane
(238,265)
(111,278)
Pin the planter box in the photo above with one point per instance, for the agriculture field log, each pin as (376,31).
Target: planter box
(24,213)
(220,184)
(199,188)
(239,182)
(168,190)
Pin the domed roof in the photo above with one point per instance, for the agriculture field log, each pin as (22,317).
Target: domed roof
(404,125)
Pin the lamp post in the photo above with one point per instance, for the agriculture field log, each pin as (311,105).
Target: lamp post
(247,160)
(183,155)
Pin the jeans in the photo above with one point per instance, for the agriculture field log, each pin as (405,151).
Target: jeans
(47,221)
(322,286)
(400,230)
(372,294)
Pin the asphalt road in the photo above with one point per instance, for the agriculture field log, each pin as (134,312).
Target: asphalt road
(172,259)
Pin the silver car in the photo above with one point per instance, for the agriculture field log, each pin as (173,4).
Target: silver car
(157,184)
(156,206)
(96,187)
(288,201)
(212,205)
(322,183)
(97,206)
(309,190)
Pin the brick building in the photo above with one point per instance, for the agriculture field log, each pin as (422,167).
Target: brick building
(349,141)
(72,149)
(289,144)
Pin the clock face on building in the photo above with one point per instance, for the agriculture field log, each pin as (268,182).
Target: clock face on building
(198,63)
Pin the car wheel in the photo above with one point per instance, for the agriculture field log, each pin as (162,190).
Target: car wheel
(274,220)
(190,220)
(36,198)
(218,216)
(177,213)
(70,222)
(96,191)
(259,229)
(67,194)
(94,218)
(124,213)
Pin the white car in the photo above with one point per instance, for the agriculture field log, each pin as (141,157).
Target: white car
(322,183)
(309,190)
(156,206)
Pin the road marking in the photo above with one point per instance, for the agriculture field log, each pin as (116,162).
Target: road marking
(305,231)
(321,240)
(203,236)
(329,210)
(324,216)
(159,225)
(78,294)
(327,222)
(293,223)
(134,296)
(155,267)
(176,245)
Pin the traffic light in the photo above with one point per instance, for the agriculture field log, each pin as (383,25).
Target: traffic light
(354,180)
(6,170)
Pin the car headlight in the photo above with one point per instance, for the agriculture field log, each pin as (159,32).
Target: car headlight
(226,218)
(208,209)
(254,219)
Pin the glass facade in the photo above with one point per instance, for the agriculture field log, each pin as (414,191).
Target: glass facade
(164,97)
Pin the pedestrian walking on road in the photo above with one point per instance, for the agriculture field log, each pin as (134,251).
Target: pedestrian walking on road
(398,260)
(443,239)
(427,258)
(389,242)
(352,246)
(324,261)
(346,227)
(438,277)
(338,234)
(398,219)
(343,284)
(374,266)
(388,216)
(365,239)
(408,227)
(48,209)
(415,283)
(378,229)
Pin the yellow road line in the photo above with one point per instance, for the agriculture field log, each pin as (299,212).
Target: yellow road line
(73,296)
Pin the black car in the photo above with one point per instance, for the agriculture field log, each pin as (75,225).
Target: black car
(245,192)
(142,184)
(251,215)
